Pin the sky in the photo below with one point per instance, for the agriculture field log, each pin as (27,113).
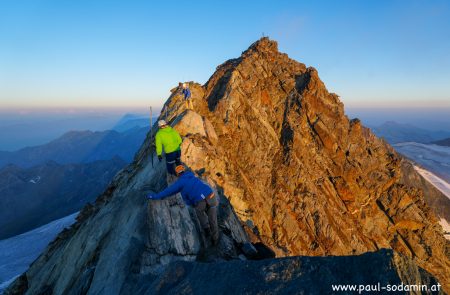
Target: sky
(128,54)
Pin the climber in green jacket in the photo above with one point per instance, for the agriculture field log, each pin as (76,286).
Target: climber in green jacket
(169,139)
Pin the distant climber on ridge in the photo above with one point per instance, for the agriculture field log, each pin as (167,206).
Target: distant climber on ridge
(198,194)
(187,96)
(169,139)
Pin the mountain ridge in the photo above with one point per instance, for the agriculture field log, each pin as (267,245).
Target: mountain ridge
(79,147)
(395,132)
(291,170)
(326,154)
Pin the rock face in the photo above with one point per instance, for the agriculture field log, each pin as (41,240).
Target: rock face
(292,275)
(122,238)
(293,172)
(301,176)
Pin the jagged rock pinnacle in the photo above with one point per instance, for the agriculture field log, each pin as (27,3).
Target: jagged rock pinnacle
(307,179)
(264,44)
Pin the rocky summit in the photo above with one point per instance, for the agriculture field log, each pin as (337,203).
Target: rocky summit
(295,177)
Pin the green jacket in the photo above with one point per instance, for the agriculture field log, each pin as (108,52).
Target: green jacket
(169,138)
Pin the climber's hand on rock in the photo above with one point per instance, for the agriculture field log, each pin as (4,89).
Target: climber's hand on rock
(150,196)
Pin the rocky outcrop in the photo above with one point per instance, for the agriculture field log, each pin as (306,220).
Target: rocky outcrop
(122,237)
(292,275)
(301,176)
(294,175)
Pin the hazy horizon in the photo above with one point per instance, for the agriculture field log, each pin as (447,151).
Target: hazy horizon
(83,65)
(130,54)
(26,127)
(29,128)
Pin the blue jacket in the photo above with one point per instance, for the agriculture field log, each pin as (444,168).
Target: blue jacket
(187,93)
(192,189)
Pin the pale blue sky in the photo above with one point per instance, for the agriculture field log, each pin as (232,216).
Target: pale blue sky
(129,54)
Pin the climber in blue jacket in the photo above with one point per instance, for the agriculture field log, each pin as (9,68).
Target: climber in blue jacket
(195,193)
(187,96)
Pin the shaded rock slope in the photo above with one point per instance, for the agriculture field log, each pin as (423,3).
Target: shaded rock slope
(294,175)
(291,275)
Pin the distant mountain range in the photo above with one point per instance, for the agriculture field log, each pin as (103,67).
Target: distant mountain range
(394,132)
(42,183)
(80,147)
(35,196)
(36,128)
(130,121)
(21,131)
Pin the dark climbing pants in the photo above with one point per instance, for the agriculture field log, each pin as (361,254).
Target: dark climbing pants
(173,160)
(207,215)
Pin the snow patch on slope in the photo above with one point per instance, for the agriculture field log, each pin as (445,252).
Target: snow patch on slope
(432,157)
(441,185)
(17,253)
(35,180)
(446,226)
(435,180)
